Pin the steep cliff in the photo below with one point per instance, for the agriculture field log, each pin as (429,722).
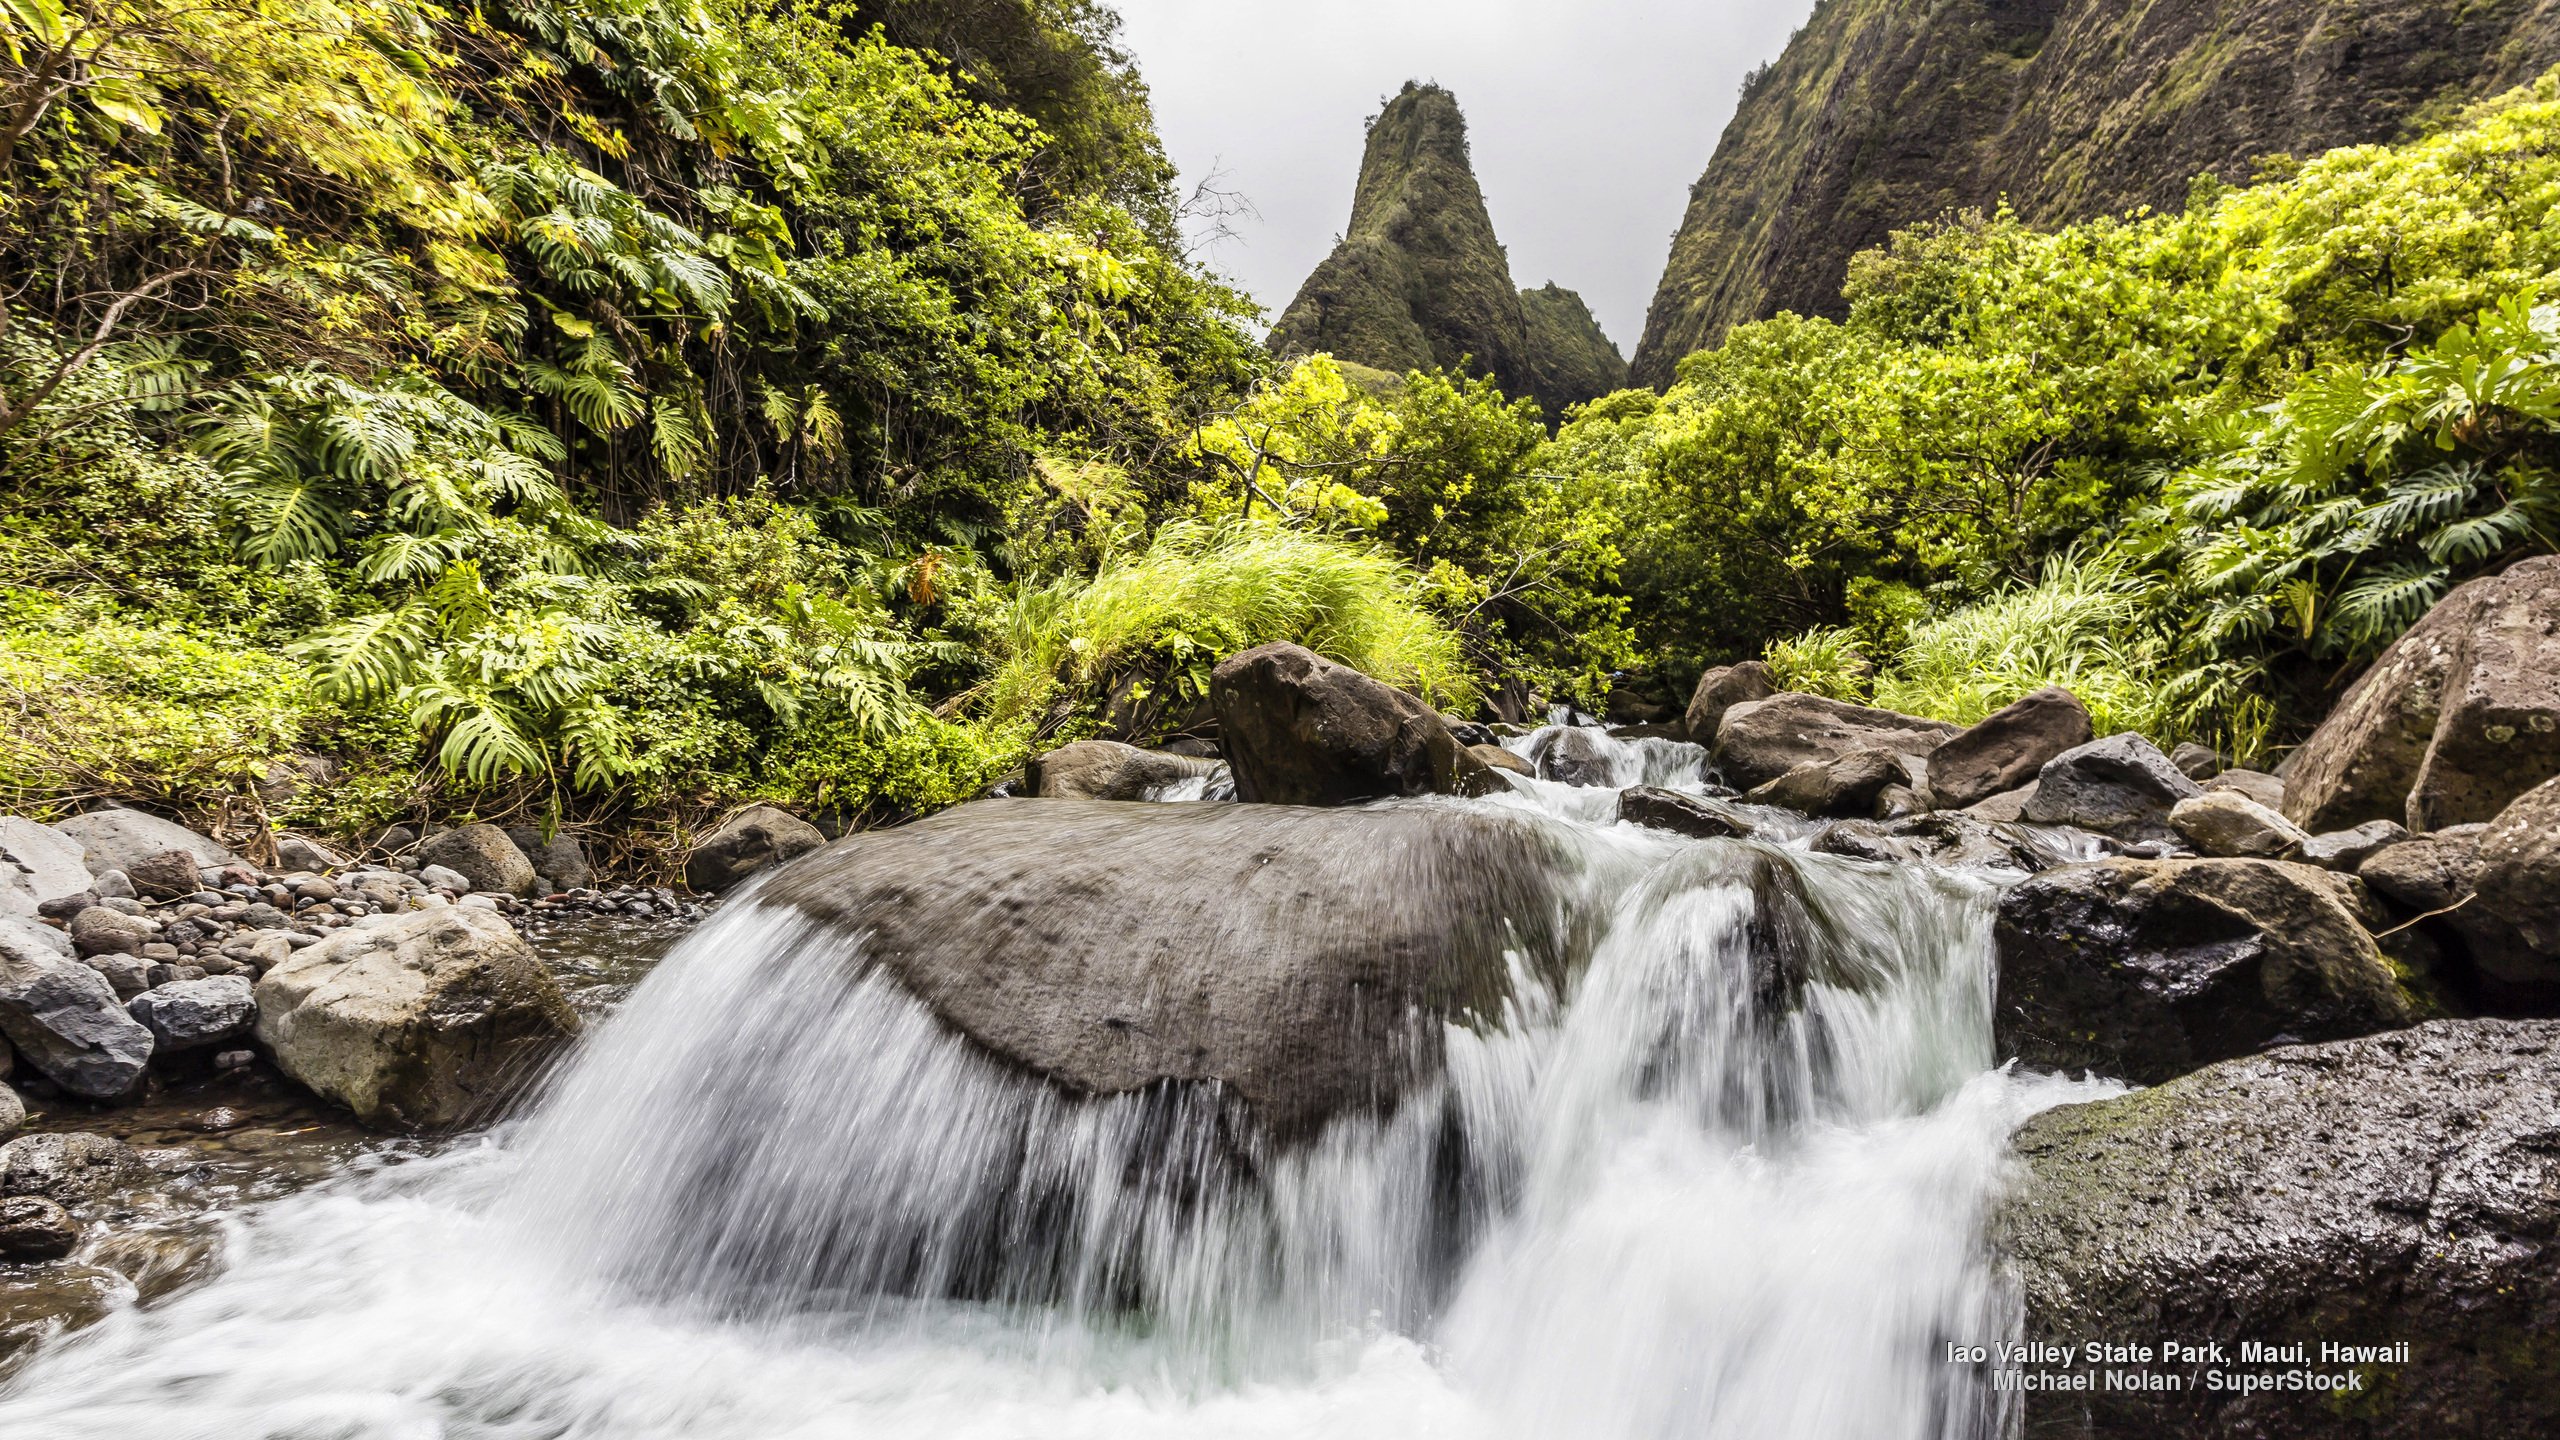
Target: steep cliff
(1419,281)
(1883,113)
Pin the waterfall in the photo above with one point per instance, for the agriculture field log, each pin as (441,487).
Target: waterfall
(1729,1179)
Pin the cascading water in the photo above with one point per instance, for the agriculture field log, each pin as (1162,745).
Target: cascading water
(1728,1180)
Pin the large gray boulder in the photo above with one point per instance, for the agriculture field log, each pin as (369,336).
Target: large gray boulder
(2402,1187)
(64,1018)
(481,854)
(2458,718)
(1760,740)
(1299,729)
(2007,749)
(116,839)
(1109,770)
(2121,786)
(418,1021)
(1843,785)
(188,1015)
(2513,918)
(1115,948)
(37,863)
(1719,690)
(2146,969)
(754,839)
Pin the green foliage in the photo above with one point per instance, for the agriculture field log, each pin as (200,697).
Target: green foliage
(864,778)
(1828,660)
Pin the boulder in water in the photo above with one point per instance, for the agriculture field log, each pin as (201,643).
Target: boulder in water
(65,1166)
(2368,1192)
(2007,749)
(1497,758)
(1577,755)
(2121,786)
(2145,969)
(1661,809)
(63,1017)
(421,1020)
(1109,770)
(755,838)
(1299,729)
(1306,960)
(1841,786)
(2459,717)
(115,838)
(1760,740)
(34,1228)
(1719,690)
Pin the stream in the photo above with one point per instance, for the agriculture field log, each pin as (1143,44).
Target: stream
(771,1197)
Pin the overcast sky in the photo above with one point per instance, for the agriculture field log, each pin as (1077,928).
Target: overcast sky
(1589,120)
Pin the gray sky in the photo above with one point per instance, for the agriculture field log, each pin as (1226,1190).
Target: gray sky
(1588,118)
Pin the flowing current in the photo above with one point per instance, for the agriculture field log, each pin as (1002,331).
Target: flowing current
(763,1203)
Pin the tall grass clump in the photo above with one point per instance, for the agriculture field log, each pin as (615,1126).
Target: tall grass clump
(1199,593)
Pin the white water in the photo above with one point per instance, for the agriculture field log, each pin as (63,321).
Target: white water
(1655,1206)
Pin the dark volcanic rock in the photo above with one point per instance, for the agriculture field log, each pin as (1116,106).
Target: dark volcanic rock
(757,837)
(2146,969)
(1108,770)
(1263,947)
(481,854)
(1681,814)
(2121,786)
(2513,920)
(1758,741)
(1577,755)
(1301,730)
(2007,749)
(2458,718)
(2427,872)
(194,1014)
(2402,1187)
(1720,690)
(1844,785)
(2347,850)
(34,1228)
(65,1167)
(65,1021)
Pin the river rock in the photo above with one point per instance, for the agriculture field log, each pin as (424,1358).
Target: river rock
(2228,823)
(1115,948)
(2458,718)
(1108,770)
(2199,763)
(559,861)
(1660,809)
(1844,785)
(63,1017)
(1497,758)
(100,930)
(194,1014)
(756,838)
(2121,786)
(2257,785)
(2401,1187)
(481,854)
(421,1020)
(115,838)
(296,852)
(2146,969)
(164,876)
(1299,729)
(1577,755)
(1760,740)
(1719,690)
(2425,872)
(126,975)
(2346,850)
(67,1167)
(2008,748)
(34,1228)
(37,863)
(2513,919)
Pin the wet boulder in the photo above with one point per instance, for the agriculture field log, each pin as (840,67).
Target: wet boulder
(1719,690)
(1496,757)
(2228,823)
(421,1020)
(1577,755)
(1117,948)
(34,1228)
(2397,1188)
(1299,729)
(2145,969)
(756,838)
(2459,717)
(2008,748)
(37,864)
(1842,786)
(2121,786)
(188,1015)
(2513,918)
(481,854)
(64,1018)
(1760,740)
(115,839)
(67,1167)
(1681,814)
(1109,770)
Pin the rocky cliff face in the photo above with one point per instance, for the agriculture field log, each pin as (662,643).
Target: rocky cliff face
(1420,282)
(1883,113)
